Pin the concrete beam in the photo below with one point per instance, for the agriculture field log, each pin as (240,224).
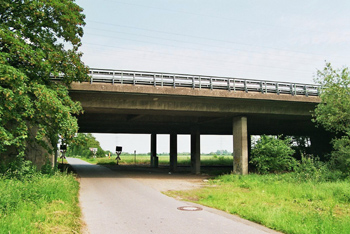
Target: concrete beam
(240,145)
(173,152)
(195,151)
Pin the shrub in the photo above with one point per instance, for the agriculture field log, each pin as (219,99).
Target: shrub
(340,156)
(271,154)
(312,169)
(18,169)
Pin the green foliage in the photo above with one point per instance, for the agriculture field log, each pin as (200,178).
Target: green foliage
(333,113)
(41,204)
(81,145)
(312,169)
(38,40)
(340,156)
(18,169)
(272,154)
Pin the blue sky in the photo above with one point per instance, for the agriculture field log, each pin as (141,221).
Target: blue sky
(271,40)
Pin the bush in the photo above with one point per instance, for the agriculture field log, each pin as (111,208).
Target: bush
(340,156)
(312,169)
(272,154)
(18,169)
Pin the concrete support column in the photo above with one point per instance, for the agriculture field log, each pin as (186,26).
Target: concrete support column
(173,152)
(154,159)
(240,145)
(249,147)
(195,152)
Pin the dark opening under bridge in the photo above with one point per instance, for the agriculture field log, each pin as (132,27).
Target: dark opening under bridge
(120,101)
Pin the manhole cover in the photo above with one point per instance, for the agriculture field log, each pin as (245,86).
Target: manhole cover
(189,208)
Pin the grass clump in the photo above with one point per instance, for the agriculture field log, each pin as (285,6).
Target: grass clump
(39,203)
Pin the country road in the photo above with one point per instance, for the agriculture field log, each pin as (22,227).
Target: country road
(113,201)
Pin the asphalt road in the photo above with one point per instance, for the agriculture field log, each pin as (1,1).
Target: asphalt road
(112,202)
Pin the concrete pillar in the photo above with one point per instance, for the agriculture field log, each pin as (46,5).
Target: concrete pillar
(195,152)
(154,159)
(249,146)
(173,152)
(240,145)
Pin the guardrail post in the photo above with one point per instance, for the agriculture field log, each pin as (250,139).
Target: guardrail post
(133,79)
(245,86)
(211,83)
(305,91)
(121,81)
(261,87)
(154,80)
(200,84)
(162,80)
(234,85)
(277,89)
(291,89)
(193,84)
(113,78)
(228,85)
(174,82)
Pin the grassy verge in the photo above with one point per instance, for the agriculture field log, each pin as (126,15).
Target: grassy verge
(280,202)
(182,160)
(40,204)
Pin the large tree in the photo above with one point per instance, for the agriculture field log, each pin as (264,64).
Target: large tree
(39,40)
(333,113)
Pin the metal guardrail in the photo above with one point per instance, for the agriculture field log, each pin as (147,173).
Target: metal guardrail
(201,82)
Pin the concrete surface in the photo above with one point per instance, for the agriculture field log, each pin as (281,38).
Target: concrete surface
(113,201)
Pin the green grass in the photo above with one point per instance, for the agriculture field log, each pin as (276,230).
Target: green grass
(280,202)
(182,160)
(40,204)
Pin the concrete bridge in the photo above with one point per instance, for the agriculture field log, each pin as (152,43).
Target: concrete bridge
(119,101)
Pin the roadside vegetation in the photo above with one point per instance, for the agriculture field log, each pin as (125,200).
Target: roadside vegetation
(38,202)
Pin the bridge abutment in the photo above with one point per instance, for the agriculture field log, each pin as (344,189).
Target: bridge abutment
(240,145)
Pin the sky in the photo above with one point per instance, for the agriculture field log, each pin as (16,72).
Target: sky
(275,40)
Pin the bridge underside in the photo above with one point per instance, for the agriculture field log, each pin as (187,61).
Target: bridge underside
(152,112)
(123,121)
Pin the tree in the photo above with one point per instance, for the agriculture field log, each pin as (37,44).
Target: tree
(333,113)
(80,146)
(272,154)
(39,40)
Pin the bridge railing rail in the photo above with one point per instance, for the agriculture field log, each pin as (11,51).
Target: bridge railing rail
(201,82)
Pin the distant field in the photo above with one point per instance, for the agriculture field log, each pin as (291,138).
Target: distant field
(182,160)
